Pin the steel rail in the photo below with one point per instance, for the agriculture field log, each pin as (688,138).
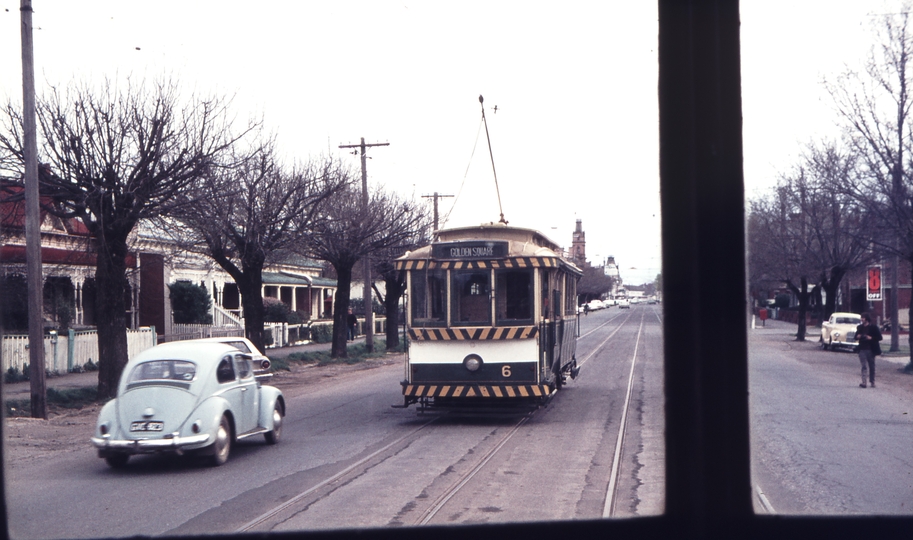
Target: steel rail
(453,490)
(609,509)
(297,498)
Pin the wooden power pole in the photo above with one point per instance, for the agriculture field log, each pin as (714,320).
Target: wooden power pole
(369,305)
(37,382)
(436,196)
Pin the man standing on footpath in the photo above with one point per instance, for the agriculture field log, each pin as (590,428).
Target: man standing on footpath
(351,324)
(868,335)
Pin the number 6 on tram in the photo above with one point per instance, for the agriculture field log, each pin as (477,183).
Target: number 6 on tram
(491,316)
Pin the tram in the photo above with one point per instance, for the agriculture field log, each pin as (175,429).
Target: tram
(491,318)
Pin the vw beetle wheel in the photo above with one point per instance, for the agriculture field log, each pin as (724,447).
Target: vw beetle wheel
(222,447)
(272,436)
(117,461)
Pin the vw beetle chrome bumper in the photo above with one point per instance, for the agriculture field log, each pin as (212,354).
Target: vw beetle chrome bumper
(173,443)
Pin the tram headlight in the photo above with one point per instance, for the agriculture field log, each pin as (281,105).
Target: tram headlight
(473,362)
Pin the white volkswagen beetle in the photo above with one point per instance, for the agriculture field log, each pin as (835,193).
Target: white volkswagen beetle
(188,396)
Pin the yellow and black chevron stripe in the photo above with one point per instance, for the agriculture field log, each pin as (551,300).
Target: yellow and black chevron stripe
(494,391)
(513,262)
(460,334)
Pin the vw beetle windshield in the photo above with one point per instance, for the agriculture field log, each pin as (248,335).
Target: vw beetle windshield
(156,370)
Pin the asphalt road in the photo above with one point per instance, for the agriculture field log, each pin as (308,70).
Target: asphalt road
(349,459)
(820,443)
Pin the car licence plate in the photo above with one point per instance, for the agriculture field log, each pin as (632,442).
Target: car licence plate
(147,426)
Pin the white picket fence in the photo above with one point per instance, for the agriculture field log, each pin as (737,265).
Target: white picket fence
(181,332)
(64,353)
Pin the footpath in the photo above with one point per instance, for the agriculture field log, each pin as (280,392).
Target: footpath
(22,390)
(813,334)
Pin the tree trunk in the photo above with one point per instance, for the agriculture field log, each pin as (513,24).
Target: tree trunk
(110,305)
(830,286)
(909,367)
(802,294)
(251,289)
(341,310)
(395,288)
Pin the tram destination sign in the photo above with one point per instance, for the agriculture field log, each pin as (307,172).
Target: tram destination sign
(470,250)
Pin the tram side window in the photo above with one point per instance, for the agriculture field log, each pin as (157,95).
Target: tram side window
(470,297)
(570,304)
(543,292)
(514,296)
(429,296)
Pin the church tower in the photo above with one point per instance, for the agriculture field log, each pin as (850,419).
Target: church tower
(578,246)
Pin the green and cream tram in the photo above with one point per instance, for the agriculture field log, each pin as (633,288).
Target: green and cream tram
(492,318)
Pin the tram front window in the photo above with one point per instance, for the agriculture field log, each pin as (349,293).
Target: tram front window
(429,296)
(514,297)
(470,297)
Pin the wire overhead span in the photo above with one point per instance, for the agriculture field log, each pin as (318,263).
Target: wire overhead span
(497,189)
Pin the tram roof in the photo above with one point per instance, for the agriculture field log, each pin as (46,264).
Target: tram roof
(522,242)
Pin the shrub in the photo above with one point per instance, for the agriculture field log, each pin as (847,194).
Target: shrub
(322,333)
(190,303)
(275,310)
(90,366)
(782,301)
(12,375)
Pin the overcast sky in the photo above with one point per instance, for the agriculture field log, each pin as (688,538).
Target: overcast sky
(575,133)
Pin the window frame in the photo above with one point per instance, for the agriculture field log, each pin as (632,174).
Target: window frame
(531,297)
(456,297)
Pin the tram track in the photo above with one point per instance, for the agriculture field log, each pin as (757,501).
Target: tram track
(476,463)
(611,492)
(301,497)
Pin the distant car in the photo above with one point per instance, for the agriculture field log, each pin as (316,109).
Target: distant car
(623,304)
(651,301)
(596,305)
(242,344)
(197,396)
(840,330)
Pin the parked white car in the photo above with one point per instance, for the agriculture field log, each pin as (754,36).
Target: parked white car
(840,330)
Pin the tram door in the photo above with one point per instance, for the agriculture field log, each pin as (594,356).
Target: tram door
(551,327)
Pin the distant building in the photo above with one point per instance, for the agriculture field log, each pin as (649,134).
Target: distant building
(578,245)
(612,270)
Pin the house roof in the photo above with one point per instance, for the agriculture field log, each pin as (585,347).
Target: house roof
(12,211)
(281,278)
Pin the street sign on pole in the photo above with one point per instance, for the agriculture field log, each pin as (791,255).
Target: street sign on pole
(873,284)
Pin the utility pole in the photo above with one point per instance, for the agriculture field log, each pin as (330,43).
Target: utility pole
(37,382)
(369,305)
(436,196)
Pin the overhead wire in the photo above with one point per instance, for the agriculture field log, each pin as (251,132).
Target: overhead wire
(465,174)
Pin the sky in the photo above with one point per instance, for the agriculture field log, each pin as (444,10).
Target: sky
(575,132)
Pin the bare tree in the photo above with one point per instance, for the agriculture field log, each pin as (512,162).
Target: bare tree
(115,156)
(778,246)
(395,280)
(875,109)
(349,230)
(839,228)
(252,209)
(594,283)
